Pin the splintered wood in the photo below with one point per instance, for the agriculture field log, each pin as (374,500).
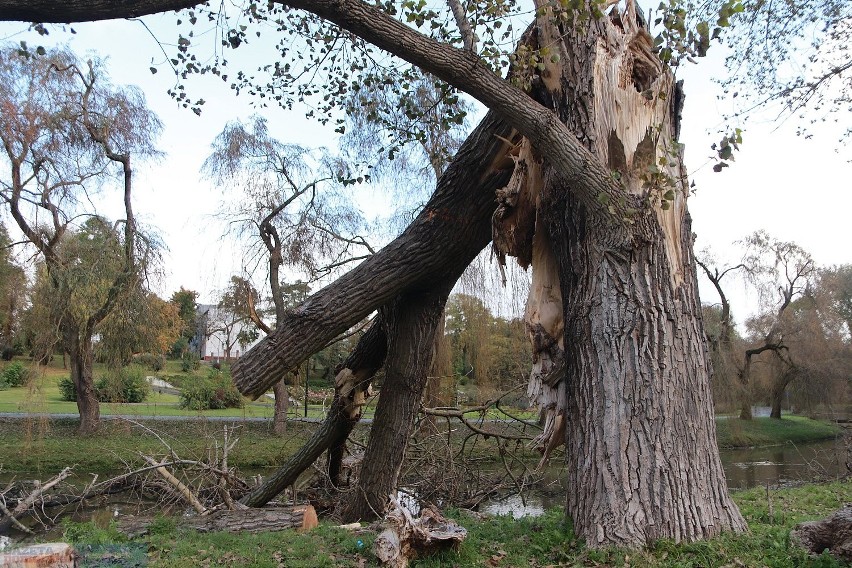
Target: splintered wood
(407,538)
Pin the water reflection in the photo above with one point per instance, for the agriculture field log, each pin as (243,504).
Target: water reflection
(779,465)
(744,468)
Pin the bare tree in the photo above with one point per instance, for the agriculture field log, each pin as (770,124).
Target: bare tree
(64,130)
(301,222)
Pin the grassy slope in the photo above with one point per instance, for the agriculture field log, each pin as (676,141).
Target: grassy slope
(44,447)
(736,433)
(502,541)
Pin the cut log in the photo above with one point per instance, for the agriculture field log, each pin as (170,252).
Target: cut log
(406,538)
(833,534)
(300,517)
(47,555)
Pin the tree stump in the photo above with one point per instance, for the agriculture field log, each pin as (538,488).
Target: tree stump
(407,538)
(833,534)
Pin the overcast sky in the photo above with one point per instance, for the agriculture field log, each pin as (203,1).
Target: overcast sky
(796,189)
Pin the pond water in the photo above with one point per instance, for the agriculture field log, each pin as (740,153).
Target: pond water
(744,468)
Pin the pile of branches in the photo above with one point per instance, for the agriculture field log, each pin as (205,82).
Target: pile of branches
(158,482)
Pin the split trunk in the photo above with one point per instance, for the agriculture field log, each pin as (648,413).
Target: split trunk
(621,362)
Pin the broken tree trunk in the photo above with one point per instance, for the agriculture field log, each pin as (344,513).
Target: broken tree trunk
(407,538)
(634,399)
(452,225)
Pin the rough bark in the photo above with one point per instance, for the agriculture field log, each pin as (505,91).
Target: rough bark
(410,323)
(282,403)
(79,349)
(300,517)
(48,11)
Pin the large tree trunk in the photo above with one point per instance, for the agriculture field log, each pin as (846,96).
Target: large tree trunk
(282,403)
(410,324)
(81,362)
(634,403)
(779,388)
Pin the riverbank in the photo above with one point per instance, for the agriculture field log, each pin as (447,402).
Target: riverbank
(736,433)
(44,446)
(492,542)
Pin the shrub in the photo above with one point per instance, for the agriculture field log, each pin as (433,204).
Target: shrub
(128,384)
(3,384)
(189,362)
(16,375)
(67,390)
(7,353)
(151,361)
(215,392)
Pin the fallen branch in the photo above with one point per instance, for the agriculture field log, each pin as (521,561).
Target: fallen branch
(23,505)
(182,489)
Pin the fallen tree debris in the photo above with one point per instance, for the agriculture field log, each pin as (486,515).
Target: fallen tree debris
(833,534)
(300,517)
(406,538)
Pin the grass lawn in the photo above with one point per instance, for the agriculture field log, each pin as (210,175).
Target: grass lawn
(42,396)
(736,433)
(492,542)
(41,447)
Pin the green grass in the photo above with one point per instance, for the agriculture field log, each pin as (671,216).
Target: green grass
(42,447)
(42,396)
(499,541)
(736,433)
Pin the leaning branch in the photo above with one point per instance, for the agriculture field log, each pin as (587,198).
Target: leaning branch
(450,231)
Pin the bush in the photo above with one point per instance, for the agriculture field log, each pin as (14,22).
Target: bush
(7,352)
(16,375)
(67,390)
(3,384)
(128,384)
(125,385)
(189,362)
(151,361)
(215,392)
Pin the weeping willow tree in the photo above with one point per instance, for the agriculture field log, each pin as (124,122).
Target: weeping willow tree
(65,131)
